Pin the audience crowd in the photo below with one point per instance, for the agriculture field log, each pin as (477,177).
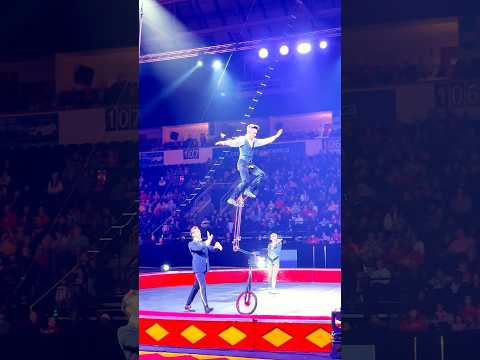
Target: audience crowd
(410,237)
(51,214)
(300,199)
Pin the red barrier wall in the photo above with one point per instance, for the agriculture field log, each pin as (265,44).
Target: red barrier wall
(182,278)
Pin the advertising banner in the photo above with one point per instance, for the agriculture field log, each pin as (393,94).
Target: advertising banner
(333,145)
(98,125)
(416,101)
(121,119)
(151,159)
(188,156)
(32,129)
(458,95)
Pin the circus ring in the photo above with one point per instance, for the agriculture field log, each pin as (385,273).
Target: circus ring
(287,324)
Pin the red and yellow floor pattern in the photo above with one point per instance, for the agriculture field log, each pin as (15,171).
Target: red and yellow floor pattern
(151,355)
(218,333)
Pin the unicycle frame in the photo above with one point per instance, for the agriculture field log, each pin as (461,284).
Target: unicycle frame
(249,279)
(248,297)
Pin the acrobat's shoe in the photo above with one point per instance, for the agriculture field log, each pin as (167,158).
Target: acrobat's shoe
(208,309)
(232,202)
(249,194)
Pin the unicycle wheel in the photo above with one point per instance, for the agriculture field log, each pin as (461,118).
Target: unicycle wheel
(246,302)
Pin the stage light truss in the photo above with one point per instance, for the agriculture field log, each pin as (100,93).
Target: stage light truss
(238,46)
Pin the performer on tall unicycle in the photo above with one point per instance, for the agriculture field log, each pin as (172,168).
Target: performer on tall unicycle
(251,175)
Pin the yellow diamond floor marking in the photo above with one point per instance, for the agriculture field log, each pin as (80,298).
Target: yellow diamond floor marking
(319,337)
(277,337)
(200,357)
(193,334)
(232,335)
(157,332)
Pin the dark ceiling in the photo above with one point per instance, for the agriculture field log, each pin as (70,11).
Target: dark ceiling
(220,21)
(33,27)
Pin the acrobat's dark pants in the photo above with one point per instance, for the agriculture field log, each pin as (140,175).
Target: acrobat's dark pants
(251,176)
(201,285)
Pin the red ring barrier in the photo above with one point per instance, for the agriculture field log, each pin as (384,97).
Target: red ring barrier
(184,278)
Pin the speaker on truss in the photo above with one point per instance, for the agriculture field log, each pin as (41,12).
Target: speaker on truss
(174,136)
(83,75)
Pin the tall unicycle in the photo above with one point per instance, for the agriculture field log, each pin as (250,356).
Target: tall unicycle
(238,223)
(247,300)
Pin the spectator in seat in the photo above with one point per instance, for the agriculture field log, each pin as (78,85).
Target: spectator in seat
(442,319)
(128,334)
(414,321)
(78,240)
(9,218)
(52,327)
(458,324)
(42,218)
(55,191)
(5,326)
(380,279)
(55,185)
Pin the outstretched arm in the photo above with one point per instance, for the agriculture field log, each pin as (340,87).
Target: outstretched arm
(236,142)
(269,140)
(217,245)
(209,241)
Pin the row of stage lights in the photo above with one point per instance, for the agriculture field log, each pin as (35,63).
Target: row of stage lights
(216,64)
(302,48)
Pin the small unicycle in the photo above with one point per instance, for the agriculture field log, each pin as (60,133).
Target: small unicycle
(247,300)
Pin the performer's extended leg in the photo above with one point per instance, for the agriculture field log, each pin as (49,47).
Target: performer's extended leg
(192,295)
(272,275)
(275,269)
(203,290)
(240,188)
(256,177)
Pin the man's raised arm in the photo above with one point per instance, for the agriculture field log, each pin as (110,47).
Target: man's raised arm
(236,142)
(269,140)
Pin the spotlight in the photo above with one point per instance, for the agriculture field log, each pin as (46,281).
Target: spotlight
(284,50)
(165,267)
(263,53)
(323,44)
(217,64)
(304,48)
(199,63)
(223,94)
(260,262)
